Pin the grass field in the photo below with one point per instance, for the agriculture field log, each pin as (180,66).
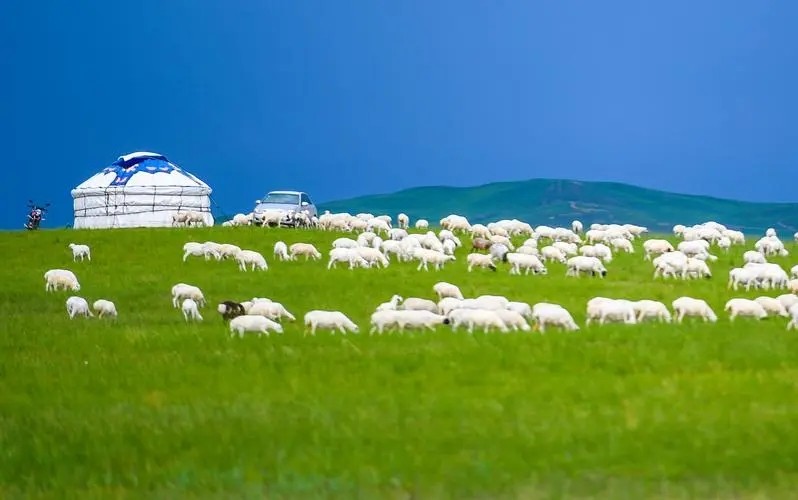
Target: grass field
(148,406)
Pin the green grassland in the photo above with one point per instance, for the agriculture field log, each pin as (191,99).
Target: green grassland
(559,201)
(149,406)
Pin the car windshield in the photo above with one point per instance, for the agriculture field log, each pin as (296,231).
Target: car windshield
(281,198)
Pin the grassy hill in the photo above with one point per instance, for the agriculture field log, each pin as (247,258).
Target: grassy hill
(545,201)
(147,406)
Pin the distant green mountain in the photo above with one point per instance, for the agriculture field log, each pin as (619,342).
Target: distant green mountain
(548,201)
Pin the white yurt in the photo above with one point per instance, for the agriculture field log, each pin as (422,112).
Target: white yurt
(139,189)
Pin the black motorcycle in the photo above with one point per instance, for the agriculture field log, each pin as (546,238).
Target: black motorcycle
(35,216)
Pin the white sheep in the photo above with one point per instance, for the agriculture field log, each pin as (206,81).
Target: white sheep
(480,260)
(688,306)
(655,247)
(744,307)
(183,291)
(82,251)
(372,256)
(104,308)
(330,320)
(56,279)
(77,306)
(604,309)
(772,306)
(228,250)
(306,249)
(444,289)
(199,250)
(190,310)
(391,305)
(646,309)
(788,300)
(752,256)
(270,309)
(521,308)
(544,314)
(426,256)
(408,319)
(794,272)
(403,220)
(422,224)
(482,318)
(548,253)
(584,264)
(253,323)
(526,262)
(255,259)
(347,255)
(418,304)
(281,251)
(513,319)
(793,324)
(576,227)
(345,243)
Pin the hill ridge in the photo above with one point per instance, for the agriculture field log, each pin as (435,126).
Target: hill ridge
(558,201)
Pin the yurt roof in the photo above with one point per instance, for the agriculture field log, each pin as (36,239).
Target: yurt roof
(141,169)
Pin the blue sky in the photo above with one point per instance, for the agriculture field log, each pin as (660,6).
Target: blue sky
(690,96)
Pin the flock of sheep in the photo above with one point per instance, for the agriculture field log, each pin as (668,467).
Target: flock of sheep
(581,252)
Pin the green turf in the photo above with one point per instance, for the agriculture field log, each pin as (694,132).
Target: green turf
(147,406)
(559,201)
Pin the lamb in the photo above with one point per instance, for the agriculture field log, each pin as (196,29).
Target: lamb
(544,314)
(696,268)
(228,250)
(688,306)
(622,244)
(253,323)
(56,279)
(179,218)
(604,309)
(199,250)
(583,264)
(425,256)
(77,306)
(654,247)
(402,319)
(349,255)
(480,260)
(526,262)
(391,305)
(305,249)
(104,308)
(752,256)
(403,220)
(651,309)
(82,251)
(417,304)
(183,291)
(230,309)
(552,253)
(269,309)
(281,251)
(513,319)
(444,289)
(485,319)
(772,306)
(253,258)
(331,320)
(793,324)
(190,310)
(744,307)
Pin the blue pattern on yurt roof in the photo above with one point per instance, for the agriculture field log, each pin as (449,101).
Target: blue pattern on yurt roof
(151,164)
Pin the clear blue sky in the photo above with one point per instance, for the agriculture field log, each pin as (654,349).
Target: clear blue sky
(690,96)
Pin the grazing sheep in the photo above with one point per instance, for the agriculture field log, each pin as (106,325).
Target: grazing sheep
(281,251)
(583,264)
(772,306)
(345,243)
(77,306)
(56,279)
(480,244)
(417,304)
(688,306)
(752,256)
(190,310)
(605,309)
(482,318)
(343,254)
(391,305)
(521,308)
(444,289)
(403,220)
(513,319)
(544,314)
(253,258)
(230,309)
(744,307)
(651,309)
(655,247)
(526,262)
(788,300)
(426,256)
(183,291)
(270,309)
(82,251)
(402,319)
(228,250)
(200,250)
(552,253)
(330,320)
(794,271)
(793,324)
(480,260)
(104,308)
(306,249)
(253,323)
(372,256)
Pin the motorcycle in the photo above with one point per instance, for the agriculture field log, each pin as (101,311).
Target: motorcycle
(35,216)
